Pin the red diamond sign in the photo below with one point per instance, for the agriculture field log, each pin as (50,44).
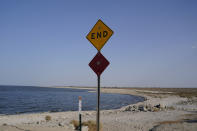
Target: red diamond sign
(99,63)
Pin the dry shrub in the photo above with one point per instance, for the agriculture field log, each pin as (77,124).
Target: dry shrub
(75,123)
(170,108)
(155,109)
(47,118)
(90,124)
(4,124)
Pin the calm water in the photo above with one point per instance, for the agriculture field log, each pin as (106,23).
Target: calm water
(28,99)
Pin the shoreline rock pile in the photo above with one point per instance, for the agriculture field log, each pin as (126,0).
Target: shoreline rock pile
(144,108)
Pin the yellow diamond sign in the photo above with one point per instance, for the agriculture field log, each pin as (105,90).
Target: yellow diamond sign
(99,35)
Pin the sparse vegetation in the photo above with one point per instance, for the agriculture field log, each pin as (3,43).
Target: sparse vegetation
(170,108)
(170,122)
(4,124)
(47,118)
(91,125)
(75,124)
(182,92)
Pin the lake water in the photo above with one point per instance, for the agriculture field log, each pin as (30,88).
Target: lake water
(30,99)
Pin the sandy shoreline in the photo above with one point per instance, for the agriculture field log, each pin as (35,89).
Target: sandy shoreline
(162,110)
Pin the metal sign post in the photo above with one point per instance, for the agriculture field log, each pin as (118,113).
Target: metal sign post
(80,105)
(98,65)
(98,36)
(98,104)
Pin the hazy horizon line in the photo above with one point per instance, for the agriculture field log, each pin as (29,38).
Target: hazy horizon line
(105,86)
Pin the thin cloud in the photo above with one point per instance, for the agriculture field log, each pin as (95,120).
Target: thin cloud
(193,47)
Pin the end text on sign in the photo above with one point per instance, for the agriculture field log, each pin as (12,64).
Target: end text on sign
(99,35)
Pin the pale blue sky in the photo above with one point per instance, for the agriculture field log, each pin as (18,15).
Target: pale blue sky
(43,42)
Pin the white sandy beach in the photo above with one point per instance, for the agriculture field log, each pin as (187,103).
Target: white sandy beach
(162,111)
